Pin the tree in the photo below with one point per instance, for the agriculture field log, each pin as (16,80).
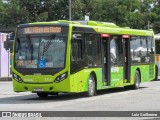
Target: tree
(13,14)
(139,14)
(77,10)
(57,9)
(35,10)
(2,9)
(111,11)
(156,16)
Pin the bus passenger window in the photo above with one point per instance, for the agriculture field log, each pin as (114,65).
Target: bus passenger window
(76,50)
(151,49)
(116,50)
(113,52)
(92,55)
(143,46)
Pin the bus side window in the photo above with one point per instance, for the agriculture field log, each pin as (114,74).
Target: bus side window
(116,50)
(92,55)
(151,48)
(76,50)
(113,51)
(135,49)
(144,46)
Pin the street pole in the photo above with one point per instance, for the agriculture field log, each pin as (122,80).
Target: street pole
(69,10)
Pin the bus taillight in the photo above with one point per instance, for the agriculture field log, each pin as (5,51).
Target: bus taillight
(125,36)
(105,35)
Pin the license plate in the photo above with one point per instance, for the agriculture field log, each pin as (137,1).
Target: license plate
(38,89)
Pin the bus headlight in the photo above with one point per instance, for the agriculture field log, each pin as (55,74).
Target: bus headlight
(61,77)
(17,78)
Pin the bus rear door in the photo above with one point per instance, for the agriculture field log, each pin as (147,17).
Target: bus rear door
(126,58)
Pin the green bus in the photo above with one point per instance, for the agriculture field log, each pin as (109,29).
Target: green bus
(80,56)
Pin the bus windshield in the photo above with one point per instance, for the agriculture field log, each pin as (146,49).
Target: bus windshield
(40,51)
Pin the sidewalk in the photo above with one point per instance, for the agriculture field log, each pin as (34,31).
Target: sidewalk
(6,79)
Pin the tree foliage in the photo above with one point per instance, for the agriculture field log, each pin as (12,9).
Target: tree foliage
(138,14)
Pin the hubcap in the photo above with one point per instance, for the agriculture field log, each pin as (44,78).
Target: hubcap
(91,86)
(137,81)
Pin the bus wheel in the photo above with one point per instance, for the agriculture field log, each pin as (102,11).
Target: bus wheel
(156,74)
(91,87)
(136,80)
(43,94)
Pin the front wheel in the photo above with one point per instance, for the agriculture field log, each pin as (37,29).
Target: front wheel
(91,87)
(43,94)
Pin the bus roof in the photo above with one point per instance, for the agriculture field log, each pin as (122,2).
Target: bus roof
(99,27)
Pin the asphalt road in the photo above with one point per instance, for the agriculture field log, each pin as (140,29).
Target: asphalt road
(147,98)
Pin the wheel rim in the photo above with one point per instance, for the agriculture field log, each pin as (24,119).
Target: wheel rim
(91,86)
(137,81)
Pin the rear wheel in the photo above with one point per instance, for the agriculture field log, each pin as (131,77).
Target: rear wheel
(43,94)
(156,74)
(136,80)
(91,86)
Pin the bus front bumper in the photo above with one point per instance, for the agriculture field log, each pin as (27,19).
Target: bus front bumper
(36,87)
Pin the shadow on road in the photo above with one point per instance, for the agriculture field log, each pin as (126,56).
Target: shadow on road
(116,90)
(33,98)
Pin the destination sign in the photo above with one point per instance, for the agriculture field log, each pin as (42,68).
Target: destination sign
(40,30)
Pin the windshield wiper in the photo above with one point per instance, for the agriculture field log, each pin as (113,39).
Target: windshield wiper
(30,46)
(48,44)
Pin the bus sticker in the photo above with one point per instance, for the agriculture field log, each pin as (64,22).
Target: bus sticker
(115,69)
(42,64)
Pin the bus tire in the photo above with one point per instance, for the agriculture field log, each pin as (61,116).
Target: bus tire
(43,94)
(91,86)
(136,80)
(156,74)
